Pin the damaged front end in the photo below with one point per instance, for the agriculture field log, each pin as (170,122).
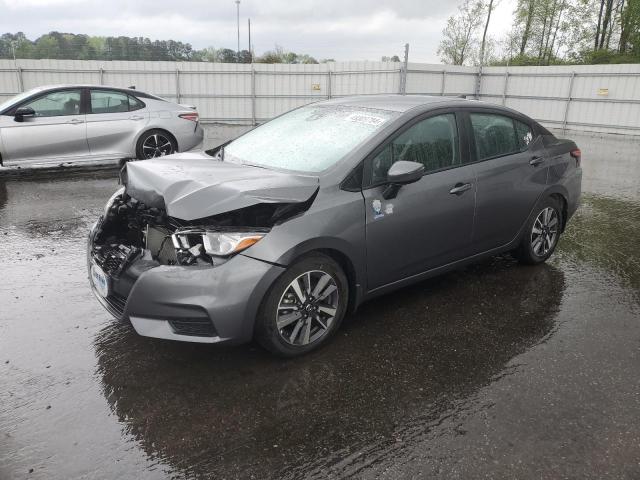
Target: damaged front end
(132,237)
(165,252)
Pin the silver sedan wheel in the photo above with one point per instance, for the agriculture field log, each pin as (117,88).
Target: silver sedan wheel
(307,308)
(545,231)
(157,145)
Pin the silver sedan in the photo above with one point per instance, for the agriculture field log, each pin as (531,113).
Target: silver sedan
(71,123)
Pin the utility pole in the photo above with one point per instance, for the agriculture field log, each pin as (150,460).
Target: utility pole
(250,50)
(484,35)
(482,52)
(238,22)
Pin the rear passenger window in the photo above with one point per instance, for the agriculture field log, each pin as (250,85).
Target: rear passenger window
(495,135)
(104,101)
(135,104)
(524,135)
(432,142)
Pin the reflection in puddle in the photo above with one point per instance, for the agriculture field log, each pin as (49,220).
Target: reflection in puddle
(605,232)
(396,367)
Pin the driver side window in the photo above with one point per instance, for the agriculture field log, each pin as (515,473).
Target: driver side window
(432,142)
(56,104)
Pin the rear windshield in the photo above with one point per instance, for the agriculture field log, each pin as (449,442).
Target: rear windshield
(309,139)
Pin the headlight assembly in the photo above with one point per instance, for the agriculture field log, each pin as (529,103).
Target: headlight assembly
(223,244)
(193,244)
(112,199)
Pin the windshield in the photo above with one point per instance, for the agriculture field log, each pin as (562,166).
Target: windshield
(17,98)
(309,139)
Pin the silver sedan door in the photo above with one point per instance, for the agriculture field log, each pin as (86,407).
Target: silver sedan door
(113,121)
(57,131)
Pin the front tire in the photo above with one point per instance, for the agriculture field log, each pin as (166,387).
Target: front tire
(155,143)
(542,233)
(304,307)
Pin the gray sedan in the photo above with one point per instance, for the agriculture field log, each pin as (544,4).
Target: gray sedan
(282,232)
(72,123)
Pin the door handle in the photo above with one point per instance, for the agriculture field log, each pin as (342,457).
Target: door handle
(460,188)
(75,121)
(136,117)
(536,160)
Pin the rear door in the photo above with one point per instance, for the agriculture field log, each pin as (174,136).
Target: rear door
(512,174)
(425,225)
(57,132)
(114,119)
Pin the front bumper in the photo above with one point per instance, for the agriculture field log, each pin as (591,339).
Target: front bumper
(190,303)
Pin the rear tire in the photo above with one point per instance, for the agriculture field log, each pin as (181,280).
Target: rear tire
(542,233)
(155,143)
(304,307)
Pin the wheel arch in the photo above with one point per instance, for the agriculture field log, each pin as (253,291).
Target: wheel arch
(560,194)
(339,251)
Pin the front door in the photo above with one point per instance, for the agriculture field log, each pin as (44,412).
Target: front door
(430,222)
(57,132)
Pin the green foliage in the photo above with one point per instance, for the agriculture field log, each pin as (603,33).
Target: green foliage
(459,43)
(58,45)
(280,55)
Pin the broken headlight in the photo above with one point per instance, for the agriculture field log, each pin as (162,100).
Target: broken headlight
(112,200)
(192,245)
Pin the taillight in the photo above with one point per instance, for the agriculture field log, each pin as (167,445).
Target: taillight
(577,154)
(193,116)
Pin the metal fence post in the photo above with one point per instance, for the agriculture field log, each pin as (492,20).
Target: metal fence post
(177,85)
(20,80)
(253,96)
(442,84)
(329,83)
(101,73)
(478,83)
(566,108)
(403,71)
(504,91)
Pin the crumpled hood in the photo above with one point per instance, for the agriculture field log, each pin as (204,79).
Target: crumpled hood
(193,185)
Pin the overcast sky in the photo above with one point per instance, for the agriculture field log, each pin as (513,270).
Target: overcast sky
(339,29)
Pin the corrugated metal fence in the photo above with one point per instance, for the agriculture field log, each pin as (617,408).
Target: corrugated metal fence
(601,98)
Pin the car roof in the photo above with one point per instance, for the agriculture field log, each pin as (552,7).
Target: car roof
(395,103)
(131,91)
(421,103)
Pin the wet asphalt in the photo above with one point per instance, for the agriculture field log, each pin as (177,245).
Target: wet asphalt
(495,371)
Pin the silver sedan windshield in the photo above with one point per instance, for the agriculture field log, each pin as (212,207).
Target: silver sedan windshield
(17,98)
(309,139)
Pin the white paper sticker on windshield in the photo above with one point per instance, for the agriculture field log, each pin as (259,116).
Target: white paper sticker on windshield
(366,118)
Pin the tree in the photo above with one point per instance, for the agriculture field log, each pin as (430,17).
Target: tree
(630,28)
(459,34)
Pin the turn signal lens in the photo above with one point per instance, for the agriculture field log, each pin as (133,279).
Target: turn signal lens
(222,244)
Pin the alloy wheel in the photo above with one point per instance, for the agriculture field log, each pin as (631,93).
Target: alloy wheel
(545,231)
(307,308)
(156,145)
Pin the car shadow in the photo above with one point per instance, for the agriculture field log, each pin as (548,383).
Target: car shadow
(394,368)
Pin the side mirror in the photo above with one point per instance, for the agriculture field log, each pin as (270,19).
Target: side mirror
(215,151)
(402,173)
(22,112)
